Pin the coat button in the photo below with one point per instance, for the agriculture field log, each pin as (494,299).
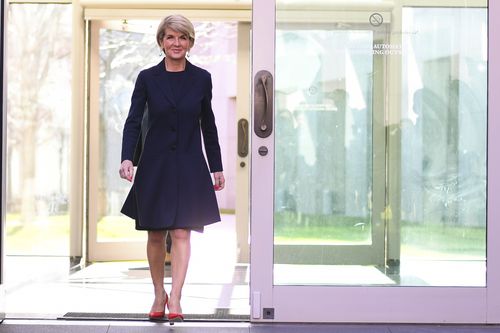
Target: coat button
(173,147)
(172,129)
(174,110)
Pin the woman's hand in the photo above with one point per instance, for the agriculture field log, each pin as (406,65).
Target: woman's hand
(219,180)
(127,170)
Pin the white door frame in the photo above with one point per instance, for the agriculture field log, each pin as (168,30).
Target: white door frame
(365,304)
(3,144)
(135,250)
(101,250)
(493,212)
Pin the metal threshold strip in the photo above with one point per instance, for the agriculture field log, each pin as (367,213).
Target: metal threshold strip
(220,315)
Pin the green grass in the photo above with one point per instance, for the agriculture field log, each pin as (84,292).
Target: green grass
(118,228)
(292,228)
(50,235)
(45,236)
(445,238)
(429,240)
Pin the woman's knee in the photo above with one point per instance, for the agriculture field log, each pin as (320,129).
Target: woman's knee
(180,234)
(157,236)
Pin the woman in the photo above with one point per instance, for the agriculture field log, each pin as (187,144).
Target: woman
(172,191)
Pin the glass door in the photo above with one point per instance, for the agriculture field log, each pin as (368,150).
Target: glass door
(119,50)
(369,162)
(112,236)
(329,143)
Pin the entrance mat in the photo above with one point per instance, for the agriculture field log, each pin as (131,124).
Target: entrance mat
(220,315)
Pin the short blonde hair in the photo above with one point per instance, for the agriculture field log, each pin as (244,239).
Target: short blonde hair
(177,23)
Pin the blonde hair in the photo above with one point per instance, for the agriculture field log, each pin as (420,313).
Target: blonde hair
(177,23)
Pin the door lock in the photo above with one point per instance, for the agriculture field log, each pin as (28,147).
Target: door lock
(263,151)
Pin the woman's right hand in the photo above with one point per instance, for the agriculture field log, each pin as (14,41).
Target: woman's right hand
(127,170)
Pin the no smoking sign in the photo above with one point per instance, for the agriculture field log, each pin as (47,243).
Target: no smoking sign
(376,19)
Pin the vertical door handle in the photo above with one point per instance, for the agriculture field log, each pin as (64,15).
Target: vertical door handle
(263,104)
(242,138)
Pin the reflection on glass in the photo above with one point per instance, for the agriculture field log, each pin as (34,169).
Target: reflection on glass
(443,194)
(122,56)
(323,130)
(38,125)
(123,53)
(332,100)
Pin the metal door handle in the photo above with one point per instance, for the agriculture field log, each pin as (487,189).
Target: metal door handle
(263,80)
(242,138)
(263,104)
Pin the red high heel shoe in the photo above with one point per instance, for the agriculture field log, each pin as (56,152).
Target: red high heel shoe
(175,317)
(158,315)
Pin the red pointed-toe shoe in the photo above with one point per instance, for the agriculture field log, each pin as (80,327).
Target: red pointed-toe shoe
(158,315)
(175,317)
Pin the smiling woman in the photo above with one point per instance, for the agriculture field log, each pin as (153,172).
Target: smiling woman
(172,190)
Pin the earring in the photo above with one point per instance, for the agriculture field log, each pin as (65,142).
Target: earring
(161,53)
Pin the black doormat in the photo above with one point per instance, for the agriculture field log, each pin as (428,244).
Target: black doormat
(221,315)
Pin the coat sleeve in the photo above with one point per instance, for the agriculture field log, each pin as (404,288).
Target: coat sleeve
(209,130)
(132,126)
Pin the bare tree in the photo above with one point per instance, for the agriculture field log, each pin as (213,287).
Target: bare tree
(38,41)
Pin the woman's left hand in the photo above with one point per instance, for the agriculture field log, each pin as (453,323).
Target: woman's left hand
(219,181)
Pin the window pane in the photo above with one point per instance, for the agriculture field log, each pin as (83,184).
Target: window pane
(443,137)
(380,146)
(122,55)
(38,127)
(324,116)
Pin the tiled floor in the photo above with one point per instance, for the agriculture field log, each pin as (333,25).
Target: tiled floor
(16,326)
(43,288)
(215,282)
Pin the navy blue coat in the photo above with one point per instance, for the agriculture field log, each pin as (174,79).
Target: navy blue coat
(172,186)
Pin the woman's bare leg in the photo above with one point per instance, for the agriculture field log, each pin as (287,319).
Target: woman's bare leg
(181,251)
(156,257)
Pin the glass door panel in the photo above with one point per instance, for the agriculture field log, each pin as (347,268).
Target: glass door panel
(324,139)
(38,127)
(326,208)
(443,137)
(325,162)
(120,49)
(117,71)
(113,67)
(377,160)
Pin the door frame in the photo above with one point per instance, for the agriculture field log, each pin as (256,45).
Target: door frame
(135,250)
(366,304)
(3,132)
(101,250)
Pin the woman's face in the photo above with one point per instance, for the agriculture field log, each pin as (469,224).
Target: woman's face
(175,44)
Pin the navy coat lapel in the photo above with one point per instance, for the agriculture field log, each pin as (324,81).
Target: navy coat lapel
(187,83)
(162,82)
(165,86)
